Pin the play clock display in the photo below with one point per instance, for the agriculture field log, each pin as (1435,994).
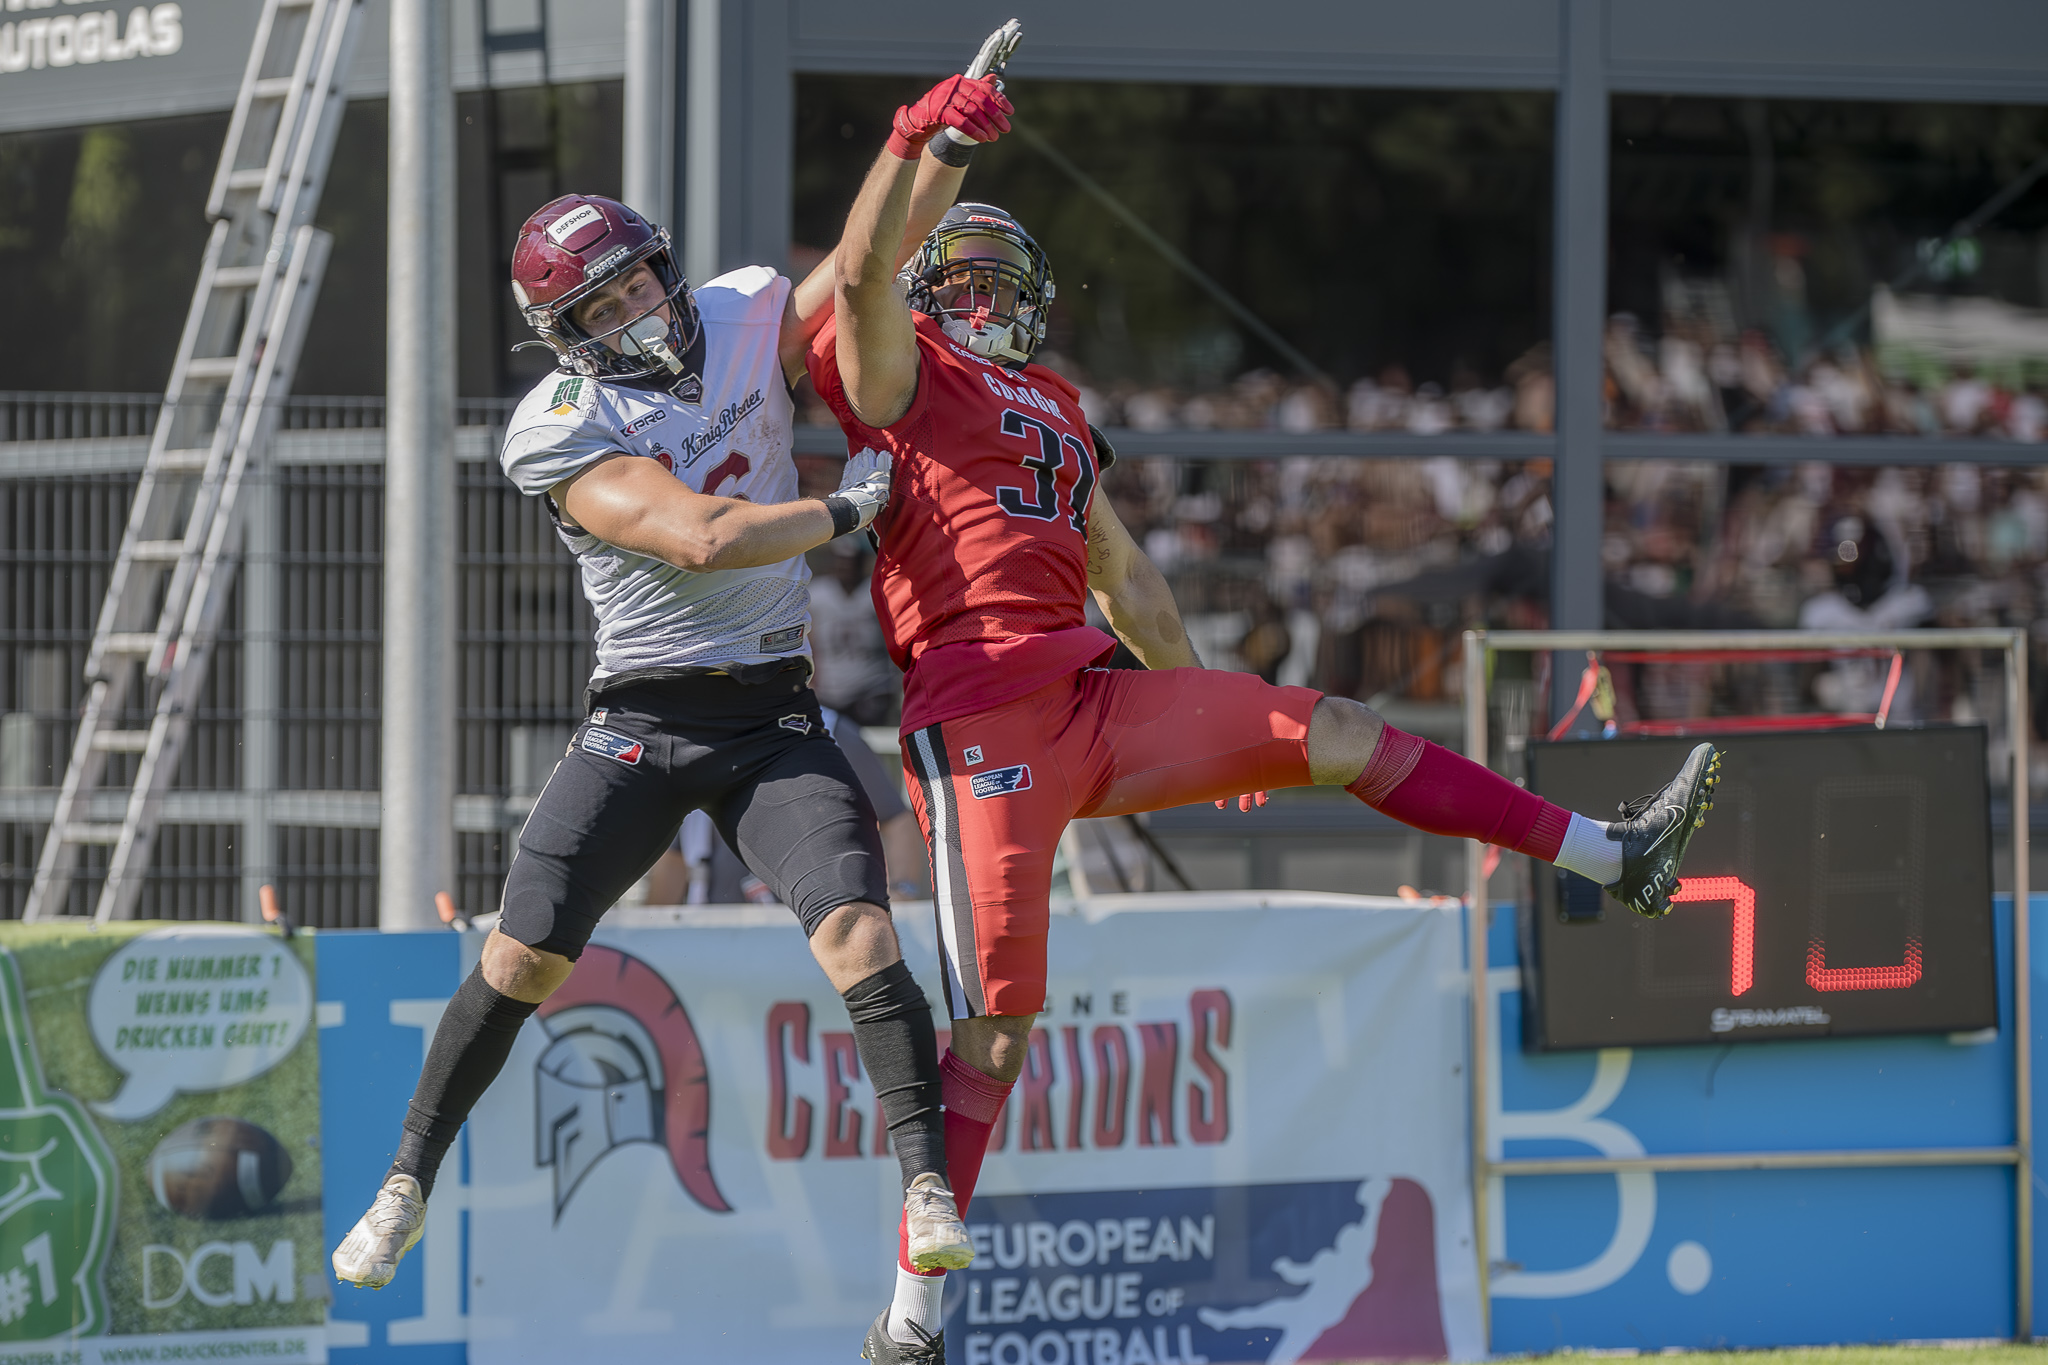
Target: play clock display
(1842,885)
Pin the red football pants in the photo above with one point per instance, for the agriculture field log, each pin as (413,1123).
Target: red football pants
(994,791)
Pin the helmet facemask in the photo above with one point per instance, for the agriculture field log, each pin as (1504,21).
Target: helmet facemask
(987,287)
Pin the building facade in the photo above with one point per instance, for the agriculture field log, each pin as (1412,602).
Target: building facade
(1402,318)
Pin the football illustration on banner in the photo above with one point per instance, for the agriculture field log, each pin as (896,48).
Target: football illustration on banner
(622,1065)
(218,1167)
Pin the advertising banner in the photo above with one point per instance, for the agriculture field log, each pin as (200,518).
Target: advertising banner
(159,1146)
(1240,1135)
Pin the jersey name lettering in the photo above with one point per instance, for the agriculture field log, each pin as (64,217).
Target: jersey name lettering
(1020,394)
(721,425)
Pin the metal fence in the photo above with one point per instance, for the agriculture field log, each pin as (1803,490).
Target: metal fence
(278,782)
(48,416)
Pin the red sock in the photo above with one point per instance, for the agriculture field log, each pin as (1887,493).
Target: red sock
(1433,789)
(973,1104)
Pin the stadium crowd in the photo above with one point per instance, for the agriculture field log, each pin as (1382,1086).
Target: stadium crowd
(1356,576)
(1673,382)
(1689,379)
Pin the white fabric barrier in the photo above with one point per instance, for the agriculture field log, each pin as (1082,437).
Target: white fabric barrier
(1241,1135)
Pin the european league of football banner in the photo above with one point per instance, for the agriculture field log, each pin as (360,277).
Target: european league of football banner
(1240,1136)
(159,1146)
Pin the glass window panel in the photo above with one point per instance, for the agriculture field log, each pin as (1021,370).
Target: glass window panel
(1399,240)
(1813,267)
(102,229)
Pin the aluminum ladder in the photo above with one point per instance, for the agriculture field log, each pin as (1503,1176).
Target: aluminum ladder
(172,575)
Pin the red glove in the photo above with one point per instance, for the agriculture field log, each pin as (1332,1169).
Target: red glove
(1244,802)
(974,108)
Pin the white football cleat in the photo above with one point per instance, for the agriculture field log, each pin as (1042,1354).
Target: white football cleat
(370,1254)
(938,1239)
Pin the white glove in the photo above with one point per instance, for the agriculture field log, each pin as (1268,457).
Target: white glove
(865,484)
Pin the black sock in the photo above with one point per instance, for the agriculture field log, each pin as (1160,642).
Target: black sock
(470,1047)
(892,1027)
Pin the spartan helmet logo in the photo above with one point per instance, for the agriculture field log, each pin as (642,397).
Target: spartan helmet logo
(622,1065)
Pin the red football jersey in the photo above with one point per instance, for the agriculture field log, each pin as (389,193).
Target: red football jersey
(984,565)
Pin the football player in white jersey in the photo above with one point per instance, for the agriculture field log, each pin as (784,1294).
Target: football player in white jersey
(662,447)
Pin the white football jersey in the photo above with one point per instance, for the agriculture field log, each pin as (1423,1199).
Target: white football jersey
(735,443)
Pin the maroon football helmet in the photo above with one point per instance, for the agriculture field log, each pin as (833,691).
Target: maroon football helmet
(573,246)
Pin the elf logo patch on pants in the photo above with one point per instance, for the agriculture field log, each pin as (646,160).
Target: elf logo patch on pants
(624,748)
(1001,781)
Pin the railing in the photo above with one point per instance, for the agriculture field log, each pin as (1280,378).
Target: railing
(46,416)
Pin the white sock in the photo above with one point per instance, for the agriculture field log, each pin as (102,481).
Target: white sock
(1590,851)
(917,1300)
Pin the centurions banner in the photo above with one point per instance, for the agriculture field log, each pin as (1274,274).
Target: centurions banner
(159,1145)
(1240,1135)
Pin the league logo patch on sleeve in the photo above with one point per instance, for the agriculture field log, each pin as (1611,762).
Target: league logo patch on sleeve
(624,748)
(799,723)
(1000,781)
(568,397)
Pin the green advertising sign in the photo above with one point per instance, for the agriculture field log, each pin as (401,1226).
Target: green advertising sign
(159,1143)
(56,1194)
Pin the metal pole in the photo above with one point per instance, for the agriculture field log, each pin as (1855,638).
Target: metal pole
(1578,303)
(1749,640)
(259,681)
(650,106)
(417,852)
(1476,921)
(2018,725)
(1849,1159)
(702,201)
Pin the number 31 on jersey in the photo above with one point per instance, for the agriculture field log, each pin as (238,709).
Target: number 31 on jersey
(1045,462)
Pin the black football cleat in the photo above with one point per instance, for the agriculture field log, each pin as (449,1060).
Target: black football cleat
(1655,830)
(883,1349)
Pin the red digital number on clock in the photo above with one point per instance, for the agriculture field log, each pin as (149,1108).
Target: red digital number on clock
(1820,976)
(1742,946)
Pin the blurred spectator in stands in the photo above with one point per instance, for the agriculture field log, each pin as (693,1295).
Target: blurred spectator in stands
(1268,643)
(1535,390)
(853,673)
(1864,564)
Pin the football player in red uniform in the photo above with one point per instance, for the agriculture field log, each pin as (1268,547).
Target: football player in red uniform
(989,542)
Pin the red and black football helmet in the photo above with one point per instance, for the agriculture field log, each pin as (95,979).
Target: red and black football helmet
(985,280)
(573,246)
